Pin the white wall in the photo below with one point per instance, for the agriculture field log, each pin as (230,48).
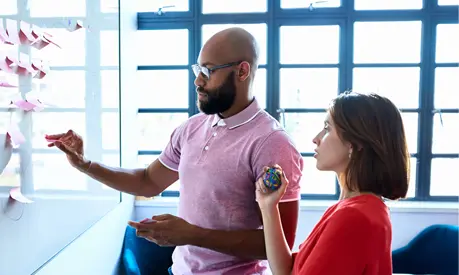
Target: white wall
(408,218)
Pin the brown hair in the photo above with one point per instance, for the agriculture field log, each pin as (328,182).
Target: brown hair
(380,161)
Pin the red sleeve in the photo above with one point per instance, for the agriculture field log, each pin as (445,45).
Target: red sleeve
(344,247)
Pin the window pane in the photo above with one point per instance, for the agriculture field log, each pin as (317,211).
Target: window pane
(9,7)
(71,53)
(387,42)
(388,4)
(54,8)
(259,87)
(446,136)
(57,91)
(111,131)
(295,4)
(303,127)
(308,88)
(163,89)
(448,2)
(447,43)
(45,123)
(145,160)
(259,31)
(162,47)
(11,175)
(401,85)
(234,6)
(155,129)
(412,184)
(53,171)
(112,159)
(109,48)
(167,5)
(443,178)
(318,44)
(110,92)
(315,181)
(446,88)
(410,121)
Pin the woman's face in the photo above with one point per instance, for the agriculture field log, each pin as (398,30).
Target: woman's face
(332,154)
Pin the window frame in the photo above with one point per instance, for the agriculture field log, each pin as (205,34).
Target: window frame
(345,16)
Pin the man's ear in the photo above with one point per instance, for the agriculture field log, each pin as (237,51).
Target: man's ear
(243,71)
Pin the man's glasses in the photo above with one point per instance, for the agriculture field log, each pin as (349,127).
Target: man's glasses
(198,69)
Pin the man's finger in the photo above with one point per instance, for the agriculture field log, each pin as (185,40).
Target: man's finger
(56,136)
(162,217)
(63,148)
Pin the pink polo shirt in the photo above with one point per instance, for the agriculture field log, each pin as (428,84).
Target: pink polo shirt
(219,161)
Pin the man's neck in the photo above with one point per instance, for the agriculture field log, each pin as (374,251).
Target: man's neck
(236,108)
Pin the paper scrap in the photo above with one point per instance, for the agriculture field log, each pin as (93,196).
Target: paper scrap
(15,193)
(12,30)
(6,151)
(25,33)
(6,84)
(41,69)
(3,34)
(15,134)
(42,37)
(75,26)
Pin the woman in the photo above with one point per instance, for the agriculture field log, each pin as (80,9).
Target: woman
(363,142)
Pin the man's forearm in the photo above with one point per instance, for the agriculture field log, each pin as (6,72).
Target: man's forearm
(125,180)
(248,244)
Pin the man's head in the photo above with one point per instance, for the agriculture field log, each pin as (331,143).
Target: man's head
(225,71)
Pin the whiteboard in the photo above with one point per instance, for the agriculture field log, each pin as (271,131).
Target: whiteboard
(64,75)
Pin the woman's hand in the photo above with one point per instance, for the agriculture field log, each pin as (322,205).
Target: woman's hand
(267,198)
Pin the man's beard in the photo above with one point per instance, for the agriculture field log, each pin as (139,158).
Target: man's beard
(220,99)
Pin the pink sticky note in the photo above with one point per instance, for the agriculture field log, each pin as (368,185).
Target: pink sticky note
(25,33)
(5,84)
(16,194)
(16,136)
(50,139)
(39,43)
(12,30)
(24,105)
(44,37)
(10,60)
(73,27)
(3,34)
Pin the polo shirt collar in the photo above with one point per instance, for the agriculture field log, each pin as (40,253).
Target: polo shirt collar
(240,118)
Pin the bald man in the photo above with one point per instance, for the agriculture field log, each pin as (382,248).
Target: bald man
(218,155)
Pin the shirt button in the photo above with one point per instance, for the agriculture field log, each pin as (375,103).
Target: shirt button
(215,134)
(206,148)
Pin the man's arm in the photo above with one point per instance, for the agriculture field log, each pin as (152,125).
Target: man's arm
(248,244)
(147,182)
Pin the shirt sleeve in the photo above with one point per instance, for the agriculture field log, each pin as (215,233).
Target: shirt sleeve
(279,149)
(170,156)
(346,246)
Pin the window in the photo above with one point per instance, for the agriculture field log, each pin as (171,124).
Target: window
(310,51)
(162,47)
(234,6)
(388,4)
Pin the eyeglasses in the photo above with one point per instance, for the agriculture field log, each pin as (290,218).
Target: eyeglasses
(198,69)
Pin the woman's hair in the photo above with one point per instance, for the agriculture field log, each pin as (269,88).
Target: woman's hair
(379,162)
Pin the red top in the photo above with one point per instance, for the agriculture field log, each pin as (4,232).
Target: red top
(353,238)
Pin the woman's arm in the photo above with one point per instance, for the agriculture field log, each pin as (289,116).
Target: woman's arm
(277,250)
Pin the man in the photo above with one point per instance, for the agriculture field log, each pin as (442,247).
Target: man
(218,156)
